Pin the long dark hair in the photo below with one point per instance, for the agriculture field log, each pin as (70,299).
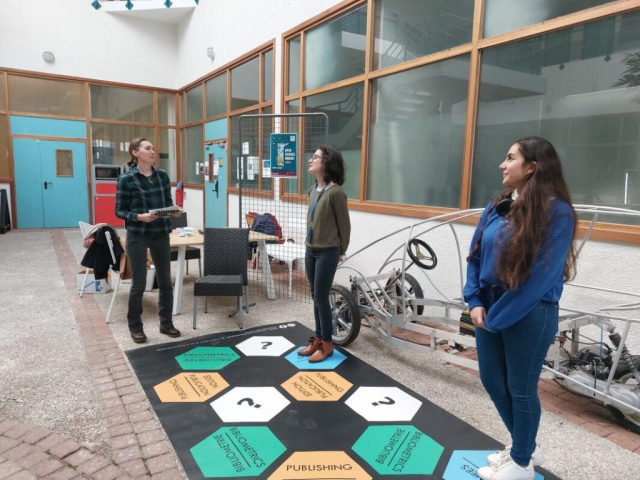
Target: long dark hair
(134,145)
(333,165)
(529,215)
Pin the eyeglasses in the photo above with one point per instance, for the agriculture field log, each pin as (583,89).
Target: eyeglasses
(316,157)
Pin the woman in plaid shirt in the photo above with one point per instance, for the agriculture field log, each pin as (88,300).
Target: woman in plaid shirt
(141,189)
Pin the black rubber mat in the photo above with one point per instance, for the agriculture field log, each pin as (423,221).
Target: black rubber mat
(245,405)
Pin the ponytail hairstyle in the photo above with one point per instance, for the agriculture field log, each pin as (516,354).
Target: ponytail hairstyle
(134,145)
(529,215)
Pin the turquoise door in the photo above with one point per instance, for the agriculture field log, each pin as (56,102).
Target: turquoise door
(51,183)
(215,187)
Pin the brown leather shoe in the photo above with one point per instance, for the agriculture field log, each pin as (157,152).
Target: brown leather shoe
(171,331)
(314,344)
(325,350)
(138,337)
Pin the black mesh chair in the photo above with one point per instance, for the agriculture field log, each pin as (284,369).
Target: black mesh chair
(225,268)
(192,253)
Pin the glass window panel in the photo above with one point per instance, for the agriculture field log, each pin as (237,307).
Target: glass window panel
(4,158)
(217,95)
(2,102)
(44,96)
(195,154)
(194,104)
(267,129)
(124,104)
(166,109)
(292,125)
(294,65)
(408,29)
(110,143)
(502,16)
(416,135)
(250,139)
(336,50)
(64,163)
(166,152)
(586,102)
(245,84)
(344,109)
(268,76)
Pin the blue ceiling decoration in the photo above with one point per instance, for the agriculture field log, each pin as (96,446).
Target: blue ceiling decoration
(129,4)
(168,3)
(96,5)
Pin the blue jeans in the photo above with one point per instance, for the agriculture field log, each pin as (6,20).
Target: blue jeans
(321,265)
(160,249)
(510,364)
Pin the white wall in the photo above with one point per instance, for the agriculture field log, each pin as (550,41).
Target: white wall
(193,201)
(601,264)
(218,24)
(87,42)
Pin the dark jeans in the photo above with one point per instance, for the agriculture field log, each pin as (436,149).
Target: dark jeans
(137,246)
(510,365)
(321,265)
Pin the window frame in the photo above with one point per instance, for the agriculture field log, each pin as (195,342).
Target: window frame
(607,232)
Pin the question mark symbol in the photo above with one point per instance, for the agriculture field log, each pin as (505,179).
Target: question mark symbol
(266,344)
(249,402)
(390,401)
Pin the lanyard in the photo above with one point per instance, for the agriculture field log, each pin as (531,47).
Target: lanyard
(315,201)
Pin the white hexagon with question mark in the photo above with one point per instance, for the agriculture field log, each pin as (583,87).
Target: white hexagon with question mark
(250,404)
(383,404)
(265,346)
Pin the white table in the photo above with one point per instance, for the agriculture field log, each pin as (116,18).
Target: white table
(182,243)
(260,239)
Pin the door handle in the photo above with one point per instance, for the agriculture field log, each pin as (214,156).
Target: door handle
(47,183)
(215,189)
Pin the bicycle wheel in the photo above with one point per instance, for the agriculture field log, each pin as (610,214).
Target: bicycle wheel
(412,289)
(345,315)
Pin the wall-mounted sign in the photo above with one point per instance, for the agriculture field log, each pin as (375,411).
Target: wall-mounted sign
(284,155)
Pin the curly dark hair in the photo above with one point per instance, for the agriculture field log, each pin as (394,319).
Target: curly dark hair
(332,164)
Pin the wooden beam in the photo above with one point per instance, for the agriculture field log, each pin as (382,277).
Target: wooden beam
(472,106)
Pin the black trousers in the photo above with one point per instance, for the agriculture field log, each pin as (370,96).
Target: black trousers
(321,265)
(160,249)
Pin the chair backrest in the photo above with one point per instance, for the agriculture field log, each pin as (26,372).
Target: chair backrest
(178,222)
(225,251)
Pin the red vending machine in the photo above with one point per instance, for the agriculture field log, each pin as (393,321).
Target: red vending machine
(104,182)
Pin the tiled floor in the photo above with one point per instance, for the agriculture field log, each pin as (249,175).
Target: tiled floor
(139,445)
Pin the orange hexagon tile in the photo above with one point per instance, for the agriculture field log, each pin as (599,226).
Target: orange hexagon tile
(317,386)
(316,465)
(191,387)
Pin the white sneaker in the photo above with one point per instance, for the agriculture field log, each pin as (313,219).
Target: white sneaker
(507,470)
(537,457)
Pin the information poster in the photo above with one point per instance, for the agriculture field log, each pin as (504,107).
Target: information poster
(284,156)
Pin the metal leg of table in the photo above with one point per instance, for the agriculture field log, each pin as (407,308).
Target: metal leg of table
(177,289)
(266,271)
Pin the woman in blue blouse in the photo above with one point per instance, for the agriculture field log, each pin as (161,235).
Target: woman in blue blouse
(521,254)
